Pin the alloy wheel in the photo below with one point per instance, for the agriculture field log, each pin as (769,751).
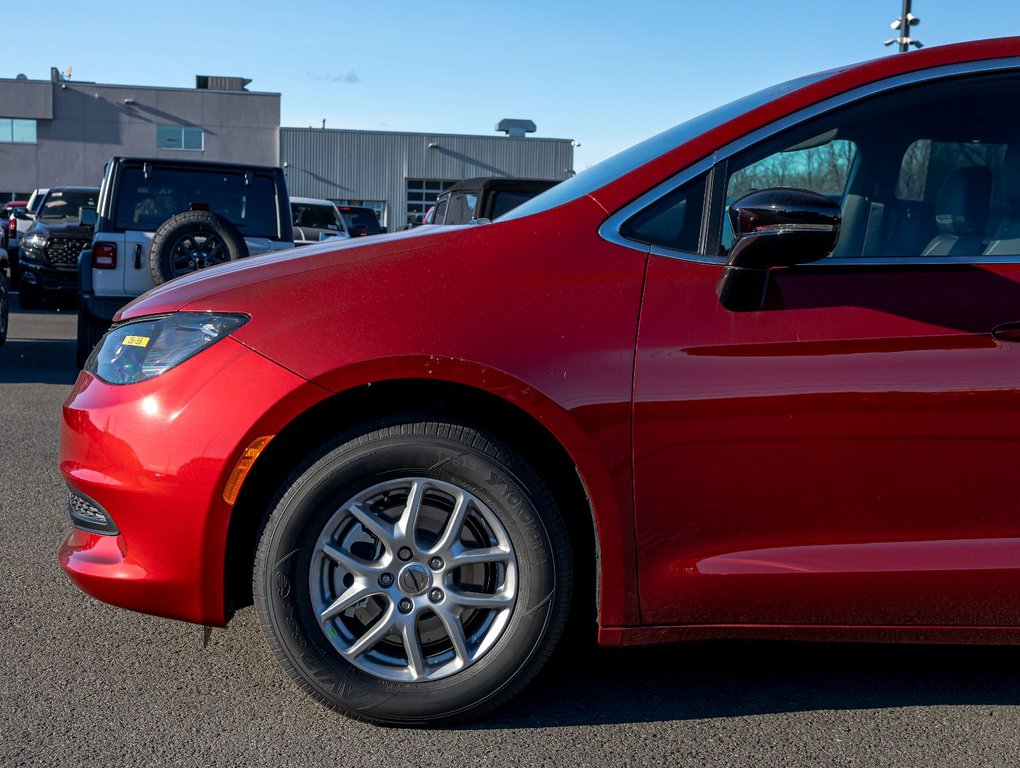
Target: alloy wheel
(413,579)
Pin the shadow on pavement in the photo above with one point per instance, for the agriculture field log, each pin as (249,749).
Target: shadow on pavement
(733,679)
(38,361)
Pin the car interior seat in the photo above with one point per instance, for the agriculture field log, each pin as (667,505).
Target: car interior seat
(961,213)
(1006,239)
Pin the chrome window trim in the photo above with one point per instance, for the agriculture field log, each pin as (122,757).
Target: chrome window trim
(610,228)
(911,261)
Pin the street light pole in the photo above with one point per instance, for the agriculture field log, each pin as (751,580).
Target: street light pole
(904,44)
(903,24)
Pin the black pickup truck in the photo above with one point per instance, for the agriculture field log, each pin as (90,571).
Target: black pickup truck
(49,249)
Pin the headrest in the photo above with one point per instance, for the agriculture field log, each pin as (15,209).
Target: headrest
(1011,177)
(964,201)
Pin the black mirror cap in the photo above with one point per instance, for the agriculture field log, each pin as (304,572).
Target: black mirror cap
(781,227)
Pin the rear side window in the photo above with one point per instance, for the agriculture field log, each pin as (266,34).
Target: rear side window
(507,200)
(145,203)
(440,215)
(461,208)
(927,164)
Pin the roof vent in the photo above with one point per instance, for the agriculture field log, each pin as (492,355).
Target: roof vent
(515,129)
(216,83)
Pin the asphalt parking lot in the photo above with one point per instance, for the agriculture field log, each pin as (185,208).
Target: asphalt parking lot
(84,683)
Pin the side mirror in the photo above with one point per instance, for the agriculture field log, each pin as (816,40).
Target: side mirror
(777,227)
(87,217)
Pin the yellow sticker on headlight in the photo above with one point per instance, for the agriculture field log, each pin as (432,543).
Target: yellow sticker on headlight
(136,341)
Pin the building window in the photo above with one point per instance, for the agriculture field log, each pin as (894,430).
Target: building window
(421,195)
(13,131)
(180,137)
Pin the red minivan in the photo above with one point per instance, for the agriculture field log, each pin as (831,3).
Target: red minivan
(756,377)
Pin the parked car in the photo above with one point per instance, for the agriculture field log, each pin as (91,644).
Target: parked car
(315,220)
(15,222)
(483,198)
(48,257)
(160,219)
(423,455)
(360,221)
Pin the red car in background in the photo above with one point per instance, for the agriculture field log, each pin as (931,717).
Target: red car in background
(16,222)
(755,377)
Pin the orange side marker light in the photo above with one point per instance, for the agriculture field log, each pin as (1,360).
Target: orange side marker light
(243,466)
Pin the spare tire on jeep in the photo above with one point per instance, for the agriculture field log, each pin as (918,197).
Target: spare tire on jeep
(193,240)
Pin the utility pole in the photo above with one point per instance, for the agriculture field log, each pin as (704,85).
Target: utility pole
(903,25)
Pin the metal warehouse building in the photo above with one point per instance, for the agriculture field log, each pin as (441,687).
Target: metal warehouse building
(400,174)
(61,132)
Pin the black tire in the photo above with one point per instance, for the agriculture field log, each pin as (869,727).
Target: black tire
(193,240)
(15,266)
(502,643)
(89,334)
(5,299)
(29,297)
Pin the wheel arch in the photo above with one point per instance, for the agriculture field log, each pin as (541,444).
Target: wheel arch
(600,548)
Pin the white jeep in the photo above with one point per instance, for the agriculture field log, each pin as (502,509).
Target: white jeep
(159,219)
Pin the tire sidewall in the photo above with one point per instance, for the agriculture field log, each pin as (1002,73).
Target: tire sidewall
(5,302)
(170,232)
(304,511)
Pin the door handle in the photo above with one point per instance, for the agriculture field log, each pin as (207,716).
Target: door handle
(138,255)
(1007,331)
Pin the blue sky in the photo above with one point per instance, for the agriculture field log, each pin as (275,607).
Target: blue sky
(606,74)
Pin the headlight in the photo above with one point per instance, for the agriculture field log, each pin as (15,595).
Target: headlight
(36,241)
(142,349)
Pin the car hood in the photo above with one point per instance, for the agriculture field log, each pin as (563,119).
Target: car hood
(334,255)
(64,227)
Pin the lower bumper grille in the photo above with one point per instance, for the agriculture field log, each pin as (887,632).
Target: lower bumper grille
(88,515)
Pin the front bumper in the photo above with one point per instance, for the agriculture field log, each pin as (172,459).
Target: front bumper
(46,278)
(156,456)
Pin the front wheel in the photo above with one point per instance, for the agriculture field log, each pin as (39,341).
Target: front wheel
(416,573)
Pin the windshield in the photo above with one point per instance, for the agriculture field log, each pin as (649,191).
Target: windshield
(64,203)
(361,219)
(609,170)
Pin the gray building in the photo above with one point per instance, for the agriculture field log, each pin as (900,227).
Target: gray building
(400,174)
(58,131)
